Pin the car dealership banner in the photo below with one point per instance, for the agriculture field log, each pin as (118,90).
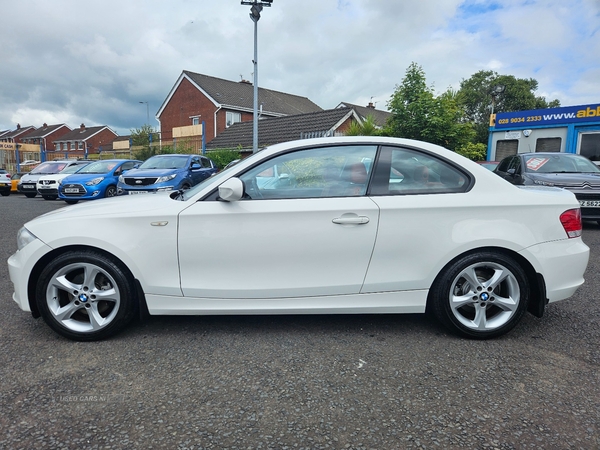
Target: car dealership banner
(551,116)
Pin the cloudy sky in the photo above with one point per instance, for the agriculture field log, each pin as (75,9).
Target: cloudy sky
(93,62)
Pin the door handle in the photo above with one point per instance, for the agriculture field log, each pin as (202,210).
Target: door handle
(351,220)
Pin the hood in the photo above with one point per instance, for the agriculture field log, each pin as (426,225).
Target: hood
(83,177)
(141,173)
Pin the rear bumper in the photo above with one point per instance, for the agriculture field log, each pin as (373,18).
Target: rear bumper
(562,264)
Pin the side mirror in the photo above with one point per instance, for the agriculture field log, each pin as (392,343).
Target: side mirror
(196,166)
(231,190)
(511,172)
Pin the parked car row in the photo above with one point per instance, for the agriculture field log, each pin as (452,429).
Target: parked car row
(74,180)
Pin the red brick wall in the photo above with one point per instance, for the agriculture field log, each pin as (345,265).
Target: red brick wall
(55,136)
(187,101)
(102,138)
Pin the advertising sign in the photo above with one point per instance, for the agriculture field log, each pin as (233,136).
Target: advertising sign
(551,116)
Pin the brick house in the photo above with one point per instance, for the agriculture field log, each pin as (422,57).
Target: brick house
(16,135)
(84,140)
(45,136)
(330,122)
(379,117)
(197,98)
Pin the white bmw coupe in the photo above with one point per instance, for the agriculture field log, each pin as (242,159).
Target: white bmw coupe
(318,226)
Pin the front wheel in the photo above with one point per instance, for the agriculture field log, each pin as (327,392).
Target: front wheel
(31,194)
(5,193)
(49,197)
(85,295)
(482,295)
(111,191)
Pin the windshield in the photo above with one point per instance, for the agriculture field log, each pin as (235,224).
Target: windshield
(99,167)
(74,168)
(559,163)
(49,167)
(165,162)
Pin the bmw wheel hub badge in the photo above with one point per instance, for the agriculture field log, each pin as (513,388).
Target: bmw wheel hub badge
(484,296)
(83,298)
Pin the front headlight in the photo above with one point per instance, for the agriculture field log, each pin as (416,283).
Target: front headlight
(121,179)
(166,178)
(95,181)
(24,237)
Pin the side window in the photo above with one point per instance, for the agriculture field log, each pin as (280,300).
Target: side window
(338,171)
(403,171)
(504,164)
(205,163)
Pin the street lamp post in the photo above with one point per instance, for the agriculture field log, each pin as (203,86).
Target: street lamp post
(256,7)
(496,91)
(147,112)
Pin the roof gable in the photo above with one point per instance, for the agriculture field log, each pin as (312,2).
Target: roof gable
(240,96)
(45,130)
(379,116)
(282,129)
(83,134)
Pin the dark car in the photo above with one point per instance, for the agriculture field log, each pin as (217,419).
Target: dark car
(166,173)
(565,170)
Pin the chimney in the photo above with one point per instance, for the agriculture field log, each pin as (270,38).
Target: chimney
(371,105)
(18,126)
(45,125)
(82,126)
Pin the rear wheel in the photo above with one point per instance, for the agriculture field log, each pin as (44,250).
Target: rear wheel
(85,295)
(481,296)
(111,191)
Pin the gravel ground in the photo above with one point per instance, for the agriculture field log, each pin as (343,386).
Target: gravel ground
(294,382)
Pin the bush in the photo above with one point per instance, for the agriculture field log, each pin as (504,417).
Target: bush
(223,157)
(475,152)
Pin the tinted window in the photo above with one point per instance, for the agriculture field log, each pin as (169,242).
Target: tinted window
(402,171)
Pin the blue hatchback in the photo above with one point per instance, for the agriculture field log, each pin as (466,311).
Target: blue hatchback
(166,173)
(98,180)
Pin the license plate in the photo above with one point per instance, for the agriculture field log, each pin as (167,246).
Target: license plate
(27,186)
(137,192)
(590,203)
(71,190)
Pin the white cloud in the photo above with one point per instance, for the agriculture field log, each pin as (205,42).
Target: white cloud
(93,62)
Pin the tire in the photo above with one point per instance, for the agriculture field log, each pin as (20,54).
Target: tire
(5,193)
(480,296)
(30,195)
(49,197)
(111,191)
(84,295)
(71,202)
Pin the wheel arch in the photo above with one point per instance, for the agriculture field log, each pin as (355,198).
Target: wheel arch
(537,295)
(139,301)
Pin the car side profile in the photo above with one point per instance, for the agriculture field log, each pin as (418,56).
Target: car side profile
(339,225)
(96,180)
(168,172)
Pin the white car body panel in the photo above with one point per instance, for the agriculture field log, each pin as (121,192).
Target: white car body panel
(247,240)
(54,180)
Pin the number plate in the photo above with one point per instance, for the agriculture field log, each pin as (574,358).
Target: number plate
(590,203)
(71,190)
(27,186)
(137,192)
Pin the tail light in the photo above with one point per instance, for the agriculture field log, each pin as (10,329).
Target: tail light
(571,222)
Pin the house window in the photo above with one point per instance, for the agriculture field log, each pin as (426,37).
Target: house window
(195,120)
(232,117)
(80,145)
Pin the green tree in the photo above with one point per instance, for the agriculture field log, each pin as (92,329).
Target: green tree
(366,128)
(417,113)
(475,98)
(141,142)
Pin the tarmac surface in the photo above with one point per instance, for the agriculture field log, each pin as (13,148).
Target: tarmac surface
(299,382)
